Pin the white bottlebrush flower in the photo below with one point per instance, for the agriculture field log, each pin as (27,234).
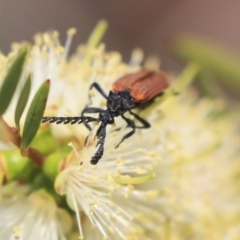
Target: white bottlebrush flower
(34,216)
(118,211)
(197,172)
(165,182)
(189,175)
(70,77)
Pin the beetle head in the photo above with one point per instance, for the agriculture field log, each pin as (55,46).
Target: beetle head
(120,101)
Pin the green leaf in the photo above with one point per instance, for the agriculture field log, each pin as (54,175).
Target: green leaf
(22,100)
(186,77)
(95,38)
(211,57)
(34,116)
(11,80)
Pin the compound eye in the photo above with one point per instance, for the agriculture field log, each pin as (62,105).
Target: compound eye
(131,99)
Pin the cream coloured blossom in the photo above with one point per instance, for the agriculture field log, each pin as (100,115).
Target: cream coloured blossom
(172,181)
(34,216)
(111,207)
(189,175)
(198,138)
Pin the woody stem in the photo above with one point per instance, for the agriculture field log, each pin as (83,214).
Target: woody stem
(34,155)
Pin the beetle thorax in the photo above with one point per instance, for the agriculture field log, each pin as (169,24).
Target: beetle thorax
(120,102)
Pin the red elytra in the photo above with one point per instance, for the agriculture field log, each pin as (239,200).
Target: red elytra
(144,85)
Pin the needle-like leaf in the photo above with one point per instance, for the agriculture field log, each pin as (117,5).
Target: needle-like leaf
(11,80)
(22,101)
(34,116)
(211,57)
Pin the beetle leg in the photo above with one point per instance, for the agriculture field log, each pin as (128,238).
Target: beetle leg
(145,124)
(101,135)
(130,124)
(99,89)
(93,110)
(90,110)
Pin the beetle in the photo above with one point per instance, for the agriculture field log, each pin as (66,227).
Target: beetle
(128,92)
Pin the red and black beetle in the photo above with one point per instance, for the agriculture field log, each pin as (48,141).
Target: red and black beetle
(128,92)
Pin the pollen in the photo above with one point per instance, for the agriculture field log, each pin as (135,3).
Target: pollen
(130,187)
(112,151)
(111,230)
(158,158)
(127,179)
(141,150)
(80,168)
(91,212)
(102,104)
(91,93)
(17,229)
(92,203)
(71,31)
(107,215)
(152,194)
(137,57)
(120,162)
(140,170)
(149,167)
(55,34)
(113,134)
(59,50)
(122,146)
(152,154)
